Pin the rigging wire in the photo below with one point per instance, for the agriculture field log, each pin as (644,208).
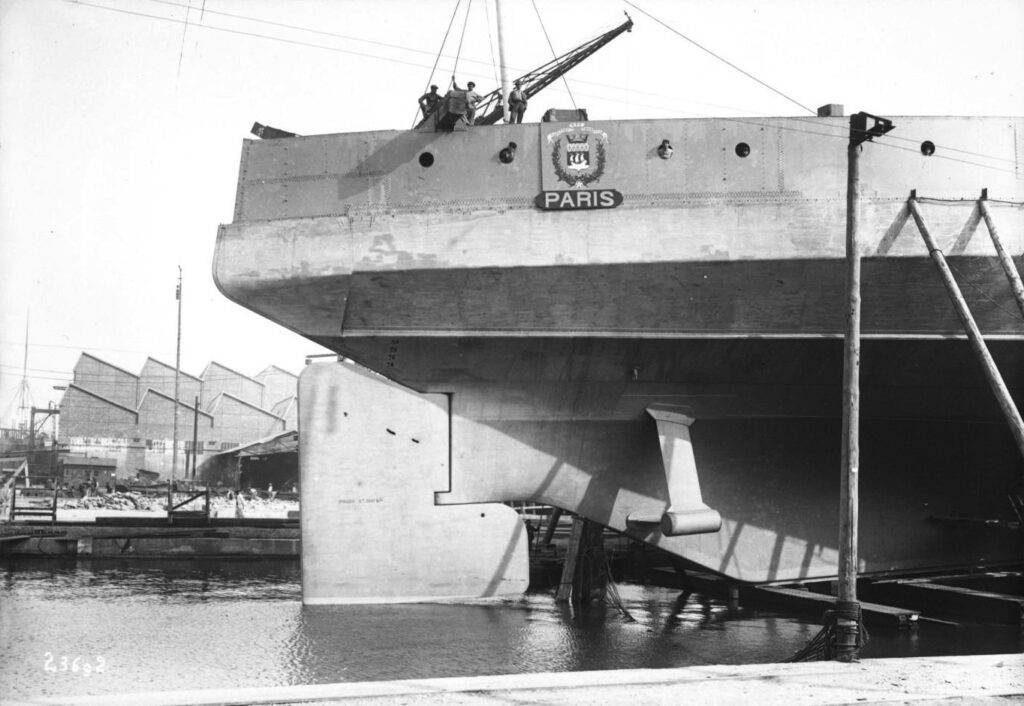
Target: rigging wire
(899,138)
(244,33)
(437,60)
(299,28)
(1012,313)
(597,84)
(970,200)
(751,120)
(725,61)
(844,136)
(407,48)
(490,41)
(458,52)
(184,32)
(552,47)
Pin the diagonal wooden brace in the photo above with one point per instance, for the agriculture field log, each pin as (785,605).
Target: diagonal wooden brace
(686,512)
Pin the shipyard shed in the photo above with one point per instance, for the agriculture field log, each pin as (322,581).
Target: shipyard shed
(269,462)
(108,412)
(77,469)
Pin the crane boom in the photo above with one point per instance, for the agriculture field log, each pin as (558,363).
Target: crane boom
(490,110)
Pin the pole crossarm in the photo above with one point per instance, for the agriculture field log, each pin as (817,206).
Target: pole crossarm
(490,108)
(860,132)
(995,379)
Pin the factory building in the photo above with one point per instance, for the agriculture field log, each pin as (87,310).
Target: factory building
(128,418)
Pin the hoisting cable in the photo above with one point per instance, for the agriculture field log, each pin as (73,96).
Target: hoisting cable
(458,52)
(437,60)
(490,40)
(725,61)
(552,47)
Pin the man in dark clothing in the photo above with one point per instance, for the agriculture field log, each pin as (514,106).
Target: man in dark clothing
(516,104)
(429,101)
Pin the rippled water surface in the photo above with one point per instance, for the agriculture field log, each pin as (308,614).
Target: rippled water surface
(142,626)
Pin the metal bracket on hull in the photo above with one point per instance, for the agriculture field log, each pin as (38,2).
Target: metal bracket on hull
(686,513)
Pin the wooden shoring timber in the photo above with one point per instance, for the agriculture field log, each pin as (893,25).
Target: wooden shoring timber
(995,379)
(956,602)
(549,530)
(811,603)
(1004,257)
(572,552)
(584,573)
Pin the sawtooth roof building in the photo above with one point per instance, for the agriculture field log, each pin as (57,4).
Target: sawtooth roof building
(108,412)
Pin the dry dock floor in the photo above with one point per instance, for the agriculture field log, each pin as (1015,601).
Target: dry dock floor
(981,679)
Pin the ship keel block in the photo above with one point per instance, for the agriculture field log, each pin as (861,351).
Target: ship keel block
(371,456)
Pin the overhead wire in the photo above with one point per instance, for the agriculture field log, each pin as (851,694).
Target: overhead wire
(458,52)
(440,51)
(300,28)
(116,379)
(1012,313)
(844,136)
(490,42)
(243,33)
(970,200)
(554,54)
(184,33)
(900,138)
(603,97)
(414,50)
(740,120)
(720,58)
(813,112)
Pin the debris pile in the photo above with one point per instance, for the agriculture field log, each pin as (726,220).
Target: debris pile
(251,506)
(112,501)
(243,505)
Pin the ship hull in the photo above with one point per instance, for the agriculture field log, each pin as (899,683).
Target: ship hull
(716,290)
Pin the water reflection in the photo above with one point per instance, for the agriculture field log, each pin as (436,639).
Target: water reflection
(195,624)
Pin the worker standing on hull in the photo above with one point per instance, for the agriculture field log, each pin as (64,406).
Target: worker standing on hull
(429,101)
(516,103)
(472,99)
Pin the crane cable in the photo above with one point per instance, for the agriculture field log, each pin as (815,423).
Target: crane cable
(490,41)
(440,51)
(458,52)
(723,60)
(552,47)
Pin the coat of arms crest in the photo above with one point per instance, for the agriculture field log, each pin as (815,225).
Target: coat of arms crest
(571,154)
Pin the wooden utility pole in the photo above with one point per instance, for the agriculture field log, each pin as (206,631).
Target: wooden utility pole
(177,372)
(848,617)
(195,436)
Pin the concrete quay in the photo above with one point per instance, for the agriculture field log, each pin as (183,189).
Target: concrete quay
(978,679)
(148,535)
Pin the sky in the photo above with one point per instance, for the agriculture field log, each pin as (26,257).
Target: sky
(121,126)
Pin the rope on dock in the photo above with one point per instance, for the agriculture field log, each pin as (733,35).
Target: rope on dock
(822,646)
(612,593)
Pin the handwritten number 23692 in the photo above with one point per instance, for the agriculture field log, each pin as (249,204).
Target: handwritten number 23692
(79,665)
